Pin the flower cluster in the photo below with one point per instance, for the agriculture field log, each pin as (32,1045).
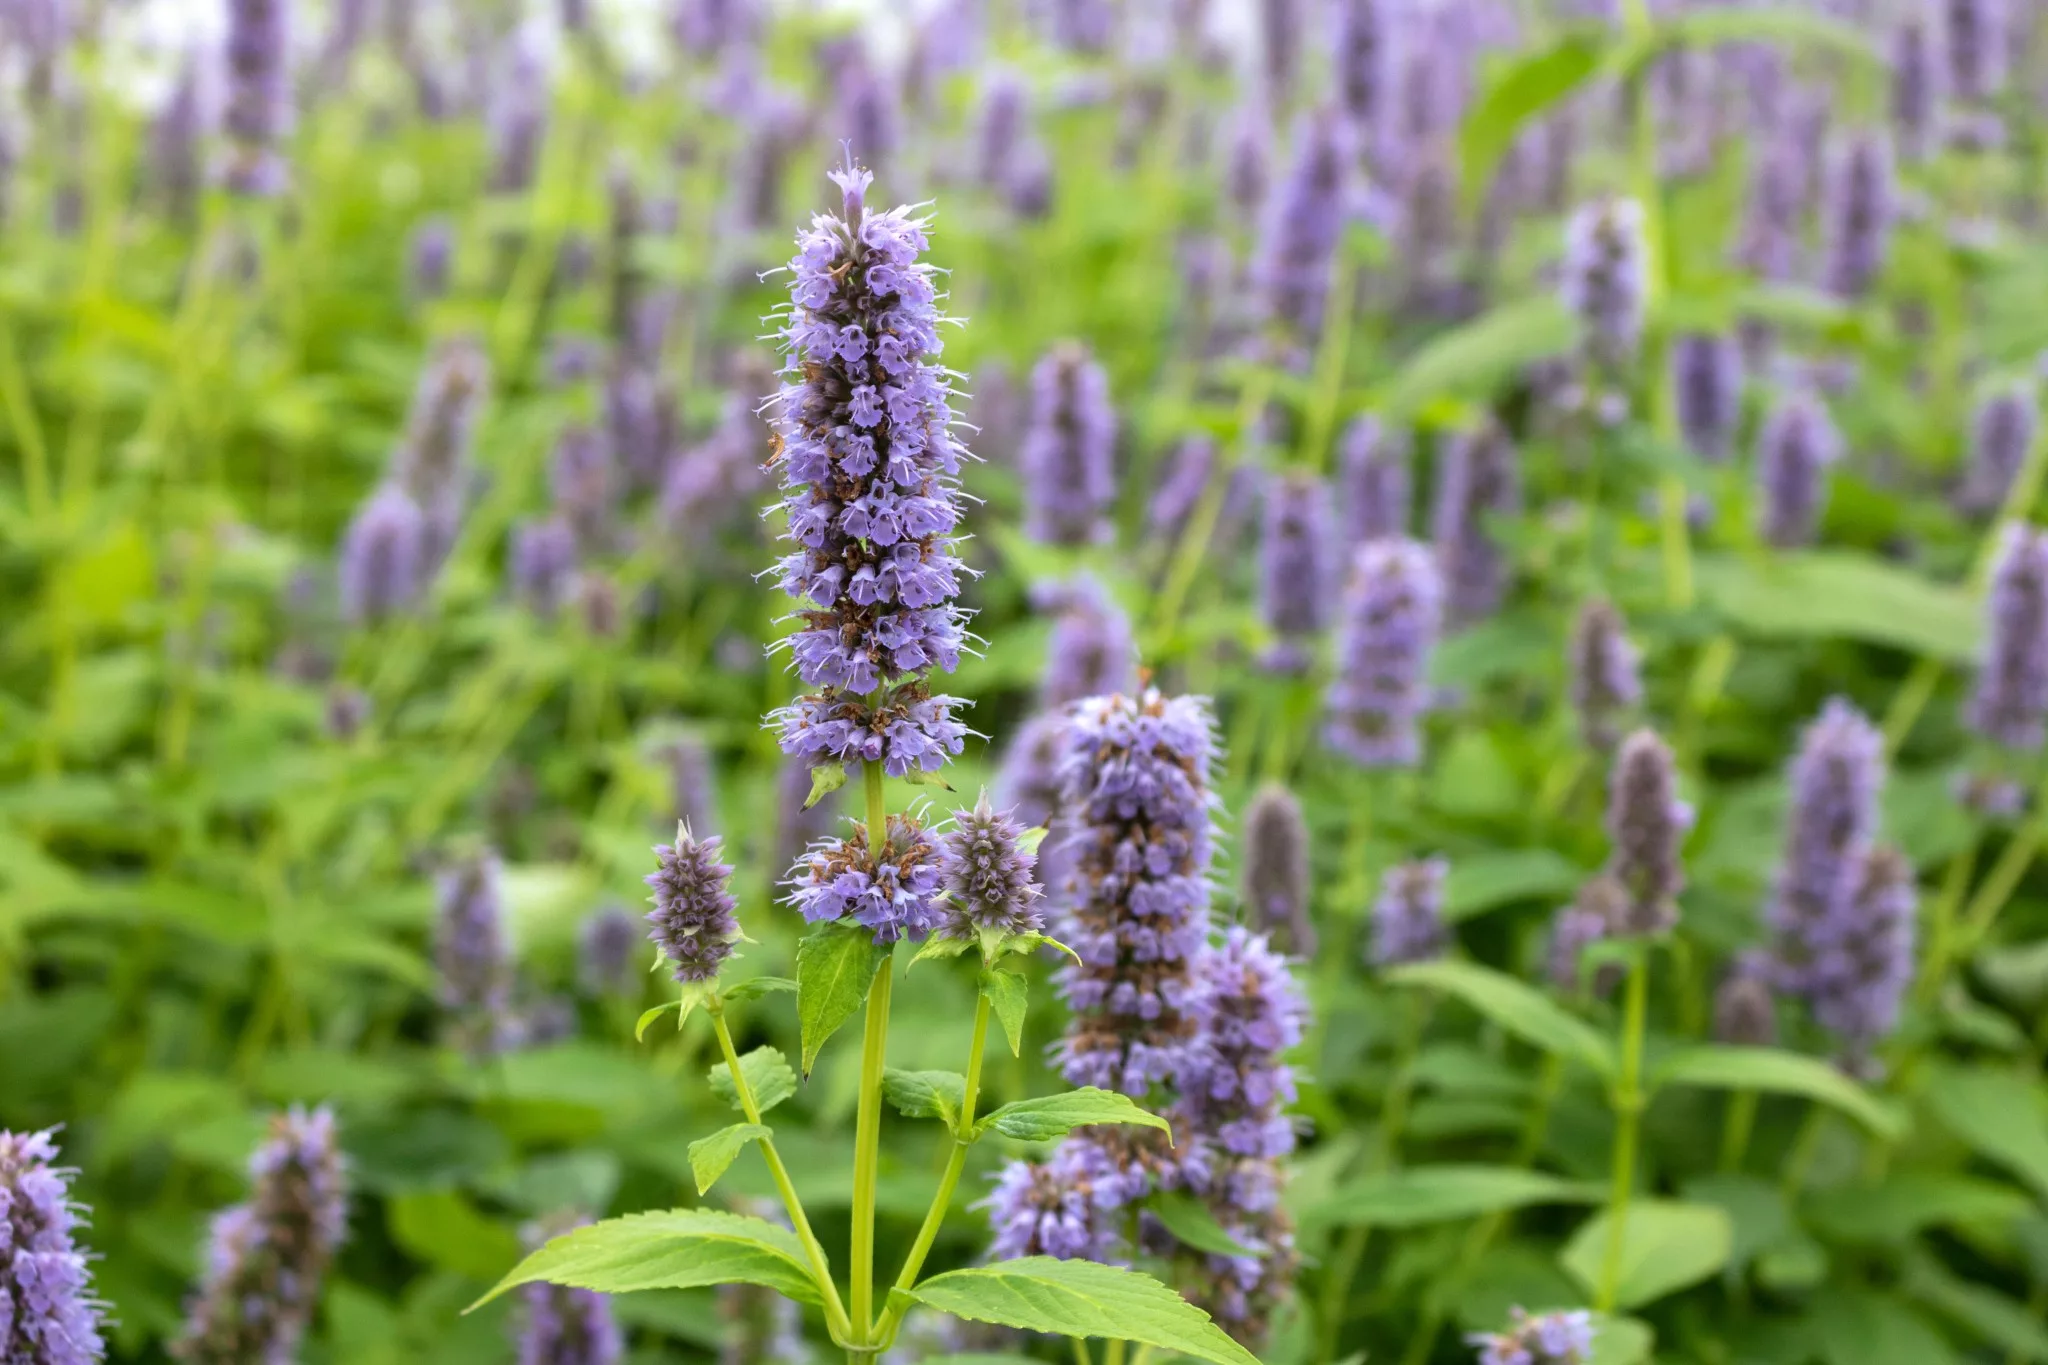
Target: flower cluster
(1858,212)
(1387,627)
(895,890)
(1067,457)
(1297,569)
(259,96)
(1063,1206)
(692,920)
(1605,281)
(2001,432)
(1794,450)
(560,1325)
(1408,917)
(470,952)
(1373,489)
(1564,1338)
(1647,825)
(1870,963)
(1299,233)
(2011,699)
(48,1314)
(1273,868)
(1479,480)
(1605,677)
(605,949)
(1706,385)
(986,870)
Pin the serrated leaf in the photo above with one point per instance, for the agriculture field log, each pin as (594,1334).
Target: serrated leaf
(1532,83)
(835,966)
(711,1157)
(1666,1247)
(1081,1299)
(677,1249)
(1781,1073)
(1190,1220)
(926,1094)
(1999,1115)
(754,987)
(1054,1116)
(939,947)
(1515,1006)
(825,781)
(767,1075)
(1010,997)
(1420,1195)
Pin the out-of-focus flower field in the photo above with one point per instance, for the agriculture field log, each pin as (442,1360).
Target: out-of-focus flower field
(1483,555)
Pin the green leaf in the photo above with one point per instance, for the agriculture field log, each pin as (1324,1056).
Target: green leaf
(767,1075)
(825,781)
(1081,1299)
(1853,1326)
(926,1094)
(918,777)
(1997,1114)
(1009,995)
(755,987)
(2000,1321)
(1831,595)
(1483,881)
(1621,1341)
(1054,1116)
(443,1228)
(678,1249)
(939,946)
(1482,355)
(1665,1247)
(1532,83)
(711,1157)
(1519,1008)
(649,1016)
(1781,1073)
(1907,1203)
(835,965)
(1190,1220)
(1439,1194)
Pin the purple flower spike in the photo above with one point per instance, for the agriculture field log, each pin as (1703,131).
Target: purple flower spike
(1479,480)
(895,891)
(1068,452)
(1408,917)
(1797,445)
(259,96)
(987,872)
(517,117)
(542,565)
(692,919)
(471,954)
(1706,381)
(48,1314)
(1547,1339)
(1835,781)
(1374,492)
(1387,630)
(1919,84)
(1361,50)
(1606,681)
(1769,243)
(1647,825)
(1298,573)
(2001,432)
(267,1257)
(1606,281)
(1061,1207)
(1091,652)
(560,1325)
(1299,231)
(1869,962)
(382,557)
(607,943)
(433,463)
(1273,868)
(1978,47)
(2011,699)
(1858,212)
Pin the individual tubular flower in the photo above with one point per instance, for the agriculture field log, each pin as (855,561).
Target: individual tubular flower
(1091,652)
(542,564)
(560,1325)
(1299,231)
(1546,1339)
(606,945)
(1605,280)
(1136,805)
(1745,1010)
(1796,446)
(1869,963)
(1605,677)
(1858,212)
(1408,916)
(1273,869)
(1067,456)
(1835,781)
(1647,825)
(1373,485)
(432,464)
(1298,574)
(1062,1207)
(896,891)
(48,1315)
(1478,480)
(382,554)
(1706,384)
(1387,627)
(986,870)
(258,116)
(2002,430)
(692,920)
(1977,41)
(2011,697)
(470,952)
(1918,83)
(266,1257)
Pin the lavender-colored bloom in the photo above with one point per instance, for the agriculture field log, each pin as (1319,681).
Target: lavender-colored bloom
(1091,651)
(430,259)
(771,132)
(1248,158)
(606,944)
(1061,1207)
(1577,927)
(895,890)
(1861,977)
(1188,471)
(1918,84)
(1647,825)
(1605,281)
(1605,676)
(1298,574)
(1373,482)
(383,557)
(560,1325)
(1030,186)
(1706,383)
(1005,122)
(518,118)
(1768,244)
(259,95)
(1835,780)
(470,952)
(2011,698)
(1478,479)
(985,868)
(867,115)
(1858,212)
(1081,26)
(1299,231)
(585,487)
(542,564)
(432,462)
(1281,30)
(692,920)
(1549,1339)
(1068,453)
(2002,430)
(1387,628)
(48,1314)
(1136,812)
(709,28)
(1745,1010)
(1977,33)
(911,730)
(1361,48)
(173,144)
(640,421)
(1796,446)
(266,1258)
(1408,916)
(347,709)
(1029,783)
(1273,868)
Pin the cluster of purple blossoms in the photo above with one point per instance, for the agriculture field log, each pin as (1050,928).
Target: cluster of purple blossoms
(1091,653)
(2010,703)
(1273,868)
(868,475)
(1064,1206)
(1408,916)
(1858,212)
(692,920)
(259,96)
(1479,479)
(1189,470)
(1745,1008)
(517,117)
(1387,628)
(1605,676)
(895,890)
(1067,456)
(1706,384)
(560,1325)
(470,952)
(1794,450)
(1605,283)
(1298,569)
(1301,228)
(540,561)
(1868,967)
(1564,1338)
(606,944)
(383,554)
(1586,920)
(1978,42)
(1362,43)
(585,487)
(1768,245)
(987,872)
(266,1257)
(1646,828)
(709,28)
(2002,430)
(1918,84)
(48,1314)
(1373,482)
(432,463)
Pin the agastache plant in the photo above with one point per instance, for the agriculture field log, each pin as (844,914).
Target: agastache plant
(48,1314)
(869,493)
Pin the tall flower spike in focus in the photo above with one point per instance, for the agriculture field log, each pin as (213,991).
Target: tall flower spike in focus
(1794,450)
(1387,628)
(1605,280)
(1298,569)
(1647,825)
(1478,480)
(1066,1206)
(1067,457)
(1300,229)
(1706,385)
(2002,430)
(1835,782)
(2010,702)
(266,1257)
(471,954)
(1858,212)
(48,1315)
(560,1325)
(692,920)
(987,871)
(1273,873)
(1408,915)
(259,112)
(1373,482)
(1544,1339)
(1606,679)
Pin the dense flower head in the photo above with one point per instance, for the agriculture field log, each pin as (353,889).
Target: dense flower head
(1387,629)
(1373,481)
(1861,977)
(383,553)
(585,487)
(2010,703)
(541,564)
(432,463)
(1408,915)
(259,95)
(1835,780)
(639,420)
(1978,45)
(1858,212)
(1586,920)
(470,950)
(1136,844)
(1564,1338)
(1919,82)
(987,872)
(1029,783)
(1248,156)
(1794,450)
(1301,226)
(1706,385)
(1298,569)
(561,1325)
(909,730)
(1647,825)
(692,920)
(1768,245)
(1605,673)
(1273,872)
(48,1315)
(896,891)
(1061,1207)
(1605,281)
(1067,457)
(516,117)
(1003,126)
(1478,480)
(1091,651)
(1361,43)
(607,944)
(2002,430)
(266,1257)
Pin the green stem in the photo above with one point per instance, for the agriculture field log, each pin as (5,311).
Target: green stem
(1941,932)
(821,1269)
(26,429)
(2005,875)
(1628,1110)
(1113,1352)
(1081,1355)
(1332,351)
(1193,548)
(1736,1126)
(867,1141)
